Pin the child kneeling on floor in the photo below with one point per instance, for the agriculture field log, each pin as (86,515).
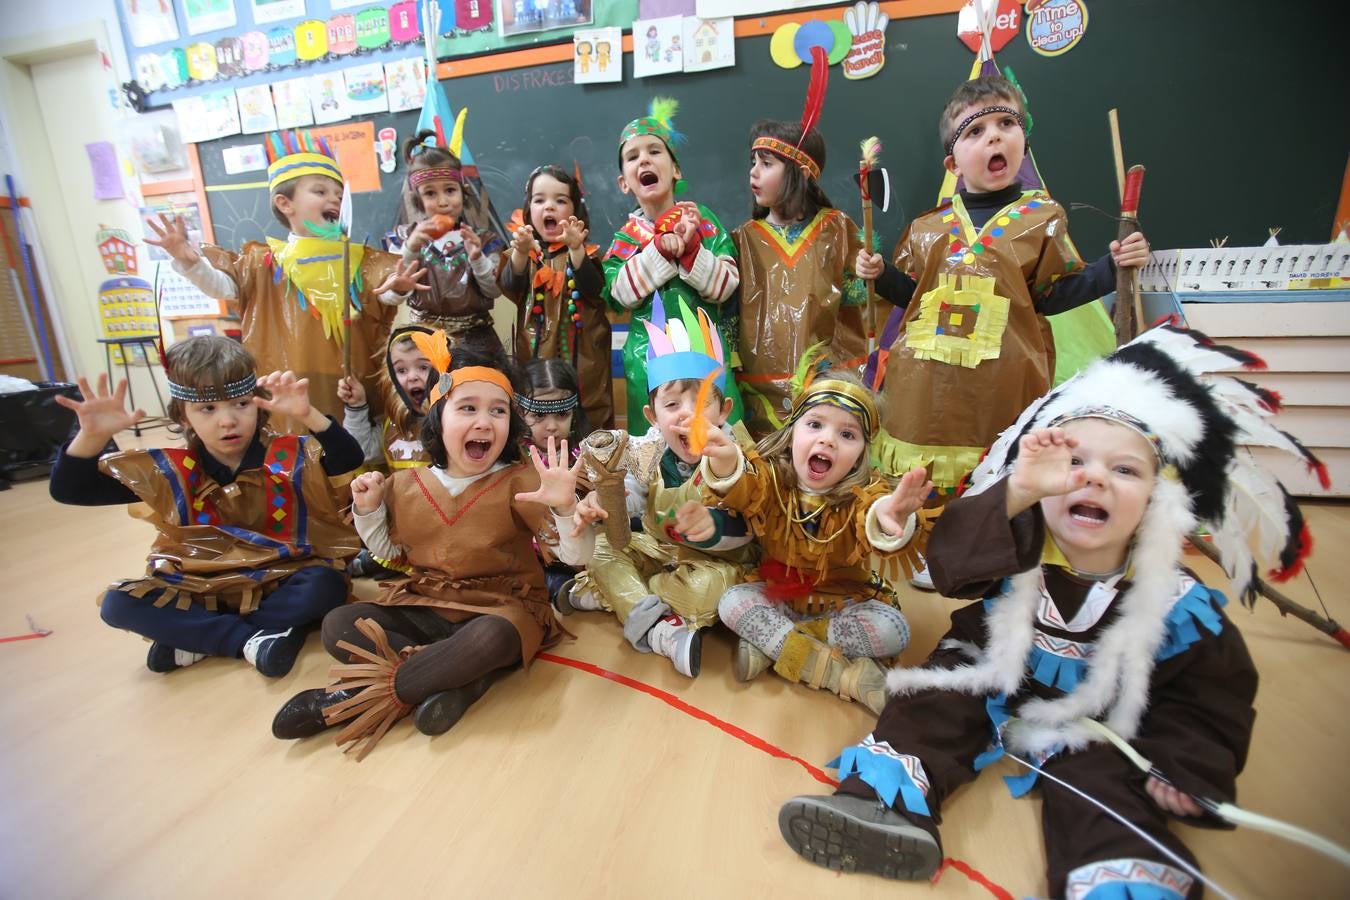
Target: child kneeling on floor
(1089,632)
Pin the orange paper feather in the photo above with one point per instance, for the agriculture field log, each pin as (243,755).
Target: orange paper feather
(435,348)
(698,429)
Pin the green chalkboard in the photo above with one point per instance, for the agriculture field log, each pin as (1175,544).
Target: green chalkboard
(1237,108)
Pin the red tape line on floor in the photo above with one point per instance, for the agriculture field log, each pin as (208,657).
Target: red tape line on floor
(24,637)
(758,743)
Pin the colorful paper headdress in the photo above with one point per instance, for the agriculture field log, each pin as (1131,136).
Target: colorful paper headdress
(436,347)
(688,346)
(659,121)
(295,154)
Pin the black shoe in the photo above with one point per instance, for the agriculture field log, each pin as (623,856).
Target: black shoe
(163,659)
(302,715)
(273,653)
(438,713)
(854,834)
(364,565)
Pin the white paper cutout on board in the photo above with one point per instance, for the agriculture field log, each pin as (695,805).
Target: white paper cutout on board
(658,47)
(150,21)
(405,82)
(244,158)
(291,101)
(208,15)
(265,11)
(207,116)
(256,113)
(597,55)
(365,90)
(328,98)
(709,44)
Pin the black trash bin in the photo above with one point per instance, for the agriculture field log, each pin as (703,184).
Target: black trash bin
(32,428)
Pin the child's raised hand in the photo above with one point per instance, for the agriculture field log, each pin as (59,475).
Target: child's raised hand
(557,480)
(522,245)
(695,522)
(290,395)
(869,266)
(671,245)
(1131,253)
(574,233)
(406,278)
(351,392)
(1044,468)
(473,244)
(589,511)
(368,492)
(908,496)
(1170,799)
(721,453)
(420,236)
(171,237)
(101,416)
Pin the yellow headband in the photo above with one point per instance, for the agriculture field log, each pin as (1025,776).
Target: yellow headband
(845,395)
(788,152)
(296,165)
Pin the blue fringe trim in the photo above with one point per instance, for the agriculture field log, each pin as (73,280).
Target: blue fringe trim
(1056,671)
(1199,606)
(1125,890)
(885,774)
(1018,785)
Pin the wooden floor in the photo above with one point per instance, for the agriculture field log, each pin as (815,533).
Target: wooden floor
(115,782)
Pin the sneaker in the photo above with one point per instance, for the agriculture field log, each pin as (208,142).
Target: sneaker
(163,659)
(854,834)
(673,639)
(438,713)
(923,581)
(570,600)
(750,661)
(273,653)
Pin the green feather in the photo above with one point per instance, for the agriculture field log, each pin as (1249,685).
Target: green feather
(690,319)
(804,367)
(1026,105)
(328,231)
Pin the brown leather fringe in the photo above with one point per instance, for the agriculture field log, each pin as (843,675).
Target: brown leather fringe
(376,707)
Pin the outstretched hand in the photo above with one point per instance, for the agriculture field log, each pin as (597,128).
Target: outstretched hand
(895,508)
(721,453)
(171,236)
(406,278)
(557,480)
(290,397)
(1044,468)
(101,414)
(523,245)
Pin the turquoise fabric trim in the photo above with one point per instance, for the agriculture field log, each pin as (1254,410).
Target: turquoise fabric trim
(1126,890)
(1199,606)
(1053,670)
(884,773)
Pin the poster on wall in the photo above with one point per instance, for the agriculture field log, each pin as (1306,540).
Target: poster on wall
(526,16)
(365,90)
(208,15)
(354,145)
(290,98)
(406,84)
(709,43)
(256,113)
(1055,26)
(265,11)
(244,158)
(150,21)
(207,116)
(328,97)
(1003,17)
(657,48)
(597,55)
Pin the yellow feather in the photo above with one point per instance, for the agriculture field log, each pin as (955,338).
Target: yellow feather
(871,151)
(457,135)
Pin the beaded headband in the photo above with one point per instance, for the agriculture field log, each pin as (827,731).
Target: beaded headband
(437,173)
(845,395)
(965,123)
(1111,414)
(230,390)
(547,407)
(788,152)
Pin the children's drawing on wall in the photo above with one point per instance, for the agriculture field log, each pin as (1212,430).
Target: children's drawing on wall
(275,10)
(656,46)
(708,44)
(256,113)
(150,21)
(524,16)
(473,15)
(208,15)
(406,84)
(365,90)
(327,97)
(290,99)
(597,55)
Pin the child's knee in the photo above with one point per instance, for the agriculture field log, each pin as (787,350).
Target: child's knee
(735,603)
(881,627)
(117,608)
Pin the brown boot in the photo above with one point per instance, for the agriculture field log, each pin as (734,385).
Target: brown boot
(815,663)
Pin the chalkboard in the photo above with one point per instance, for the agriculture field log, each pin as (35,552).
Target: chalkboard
(1237,108)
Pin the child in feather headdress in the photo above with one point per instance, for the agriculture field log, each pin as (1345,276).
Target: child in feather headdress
(818,614)
(679,248)
(1086,632)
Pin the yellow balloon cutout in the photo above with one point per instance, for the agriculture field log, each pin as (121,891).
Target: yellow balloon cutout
(781,50)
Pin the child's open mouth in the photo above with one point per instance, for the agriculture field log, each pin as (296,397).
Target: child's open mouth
(1089,514)
(330,215)
(417,395)
(819,465)
(550,223)
(477,450)
(998,164)
(648,178)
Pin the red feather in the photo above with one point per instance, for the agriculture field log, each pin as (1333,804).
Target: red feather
(815,93)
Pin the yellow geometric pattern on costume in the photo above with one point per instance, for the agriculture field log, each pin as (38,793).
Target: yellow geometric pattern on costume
(967,303)
(314,266)
(947,465)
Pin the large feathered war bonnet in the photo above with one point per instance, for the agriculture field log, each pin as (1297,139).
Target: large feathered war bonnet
(1164,384)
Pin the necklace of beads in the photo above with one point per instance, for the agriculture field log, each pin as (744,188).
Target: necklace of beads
(573,317)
